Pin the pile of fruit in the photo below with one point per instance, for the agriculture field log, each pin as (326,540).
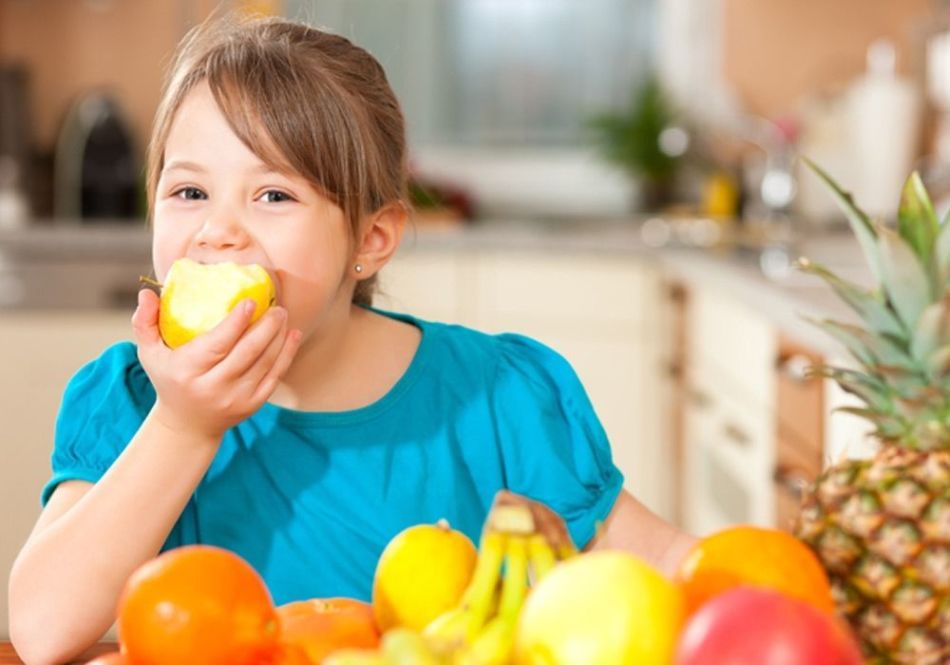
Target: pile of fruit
(744,596)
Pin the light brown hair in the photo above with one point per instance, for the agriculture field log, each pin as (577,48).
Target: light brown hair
(302,100)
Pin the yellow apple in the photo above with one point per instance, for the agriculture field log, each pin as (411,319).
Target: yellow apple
(422,573)
(196,297)
(602,608)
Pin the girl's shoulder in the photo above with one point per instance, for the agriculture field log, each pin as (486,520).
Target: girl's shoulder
(115,375)
(501,358)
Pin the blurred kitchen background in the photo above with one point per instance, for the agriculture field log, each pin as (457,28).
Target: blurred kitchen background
(619,178)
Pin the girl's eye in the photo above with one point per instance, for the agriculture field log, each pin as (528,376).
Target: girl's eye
(190,194)
(275,196)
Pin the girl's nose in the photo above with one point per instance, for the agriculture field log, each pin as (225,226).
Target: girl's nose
(222,230)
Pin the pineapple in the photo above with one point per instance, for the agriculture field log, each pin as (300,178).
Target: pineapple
(881,526)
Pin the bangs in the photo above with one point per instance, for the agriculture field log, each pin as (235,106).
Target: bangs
(290,131)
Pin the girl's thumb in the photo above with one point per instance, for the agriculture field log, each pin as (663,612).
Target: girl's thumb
(145,319)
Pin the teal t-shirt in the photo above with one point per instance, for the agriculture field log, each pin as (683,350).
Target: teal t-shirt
(310,499)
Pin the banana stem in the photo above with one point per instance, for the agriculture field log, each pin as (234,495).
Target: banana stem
(515,585)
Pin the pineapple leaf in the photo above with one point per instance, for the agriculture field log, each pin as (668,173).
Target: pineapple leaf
(905,280)
(933,330)
(942,258)
(877,352)
(892,425)
(857,218)
(850,337)
(873,310)
(872,391)
(917,220)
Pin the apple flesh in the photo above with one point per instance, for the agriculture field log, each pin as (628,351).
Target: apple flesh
(196,297)
(754,626)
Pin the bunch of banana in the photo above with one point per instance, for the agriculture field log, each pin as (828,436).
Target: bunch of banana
(521,542)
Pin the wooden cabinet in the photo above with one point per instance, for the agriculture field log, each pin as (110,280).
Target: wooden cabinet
(800,428)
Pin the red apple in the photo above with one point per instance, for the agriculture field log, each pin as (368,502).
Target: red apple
(752,626)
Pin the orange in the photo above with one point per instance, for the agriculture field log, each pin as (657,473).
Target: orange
(197,604)
(421,574)
(753,556)
(291,654)
(322,626)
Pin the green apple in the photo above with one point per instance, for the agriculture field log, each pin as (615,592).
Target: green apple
(196,296)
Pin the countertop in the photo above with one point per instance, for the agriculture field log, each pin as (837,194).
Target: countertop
(8,655)
(785,298)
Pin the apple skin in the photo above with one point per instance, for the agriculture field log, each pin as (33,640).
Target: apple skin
(196,297)
(753,626)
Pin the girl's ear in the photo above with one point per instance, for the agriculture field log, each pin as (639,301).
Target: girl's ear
(379,239)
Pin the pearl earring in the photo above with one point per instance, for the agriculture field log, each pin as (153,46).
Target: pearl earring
(358,268)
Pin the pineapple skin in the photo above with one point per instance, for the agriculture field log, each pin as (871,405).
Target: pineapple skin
(881,527)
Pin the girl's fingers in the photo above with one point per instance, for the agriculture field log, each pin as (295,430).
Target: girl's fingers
(145,319)
(215,345)
(287,352)
(262,364)
(246,351)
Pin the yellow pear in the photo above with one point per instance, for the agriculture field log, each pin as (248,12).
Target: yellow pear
(422,573)
(196,297)
(602,608)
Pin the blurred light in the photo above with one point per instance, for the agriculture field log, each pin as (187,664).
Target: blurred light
(778,188)
(674,141)
(655,232)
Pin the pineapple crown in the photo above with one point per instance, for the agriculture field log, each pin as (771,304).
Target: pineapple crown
(903,346)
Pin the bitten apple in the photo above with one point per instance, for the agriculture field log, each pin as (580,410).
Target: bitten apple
(196,296)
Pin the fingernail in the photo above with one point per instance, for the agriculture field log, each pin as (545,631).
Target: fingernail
(249,306)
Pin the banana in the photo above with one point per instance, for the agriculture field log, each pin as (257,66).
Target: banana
(515,583)
(541,557)
(525,541)
(479,595)
(493,645)
(460,624)
(402,646)
(566,551)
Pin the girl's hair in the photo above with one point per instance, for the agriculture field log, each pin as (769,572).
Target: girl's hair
(302,100)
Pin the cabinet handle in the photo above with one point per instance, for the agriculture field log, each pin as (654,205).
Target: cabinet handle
(700,398)
(793,481)
(736,434)
(795,366)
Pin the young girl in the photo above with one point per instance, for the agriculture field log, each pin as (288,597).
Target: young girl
(305,441)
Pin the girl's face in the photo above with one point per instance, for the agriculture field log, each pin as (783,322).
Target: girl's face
(217,201)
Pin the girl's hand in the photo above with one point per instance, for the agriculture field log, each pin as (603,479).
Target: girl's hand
(219,378)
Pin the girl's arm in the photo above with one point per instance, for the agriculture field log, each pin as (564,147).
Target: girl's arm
(65,583)
(89,538)
(632,527)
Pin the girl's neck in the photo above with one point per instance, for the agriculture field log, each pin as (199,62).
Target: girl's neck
(353,361)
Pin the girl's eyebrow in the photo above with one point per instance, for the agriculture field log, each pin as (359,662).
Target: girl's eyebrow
(192,166)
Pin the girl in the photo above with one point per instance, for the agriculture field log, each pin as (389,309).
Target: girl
(305,441)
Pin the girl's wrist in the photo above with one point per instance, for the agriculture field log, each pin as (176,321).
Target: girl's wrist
(182,429)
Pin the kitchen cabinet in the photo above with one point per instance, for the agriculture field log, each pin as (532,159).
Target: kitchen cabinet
(39,352)
(729,402)
(800,428)
(604,312)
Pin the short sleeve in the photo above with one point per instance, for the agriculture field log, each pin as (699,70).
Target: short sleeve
(102,408)
(554,447)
